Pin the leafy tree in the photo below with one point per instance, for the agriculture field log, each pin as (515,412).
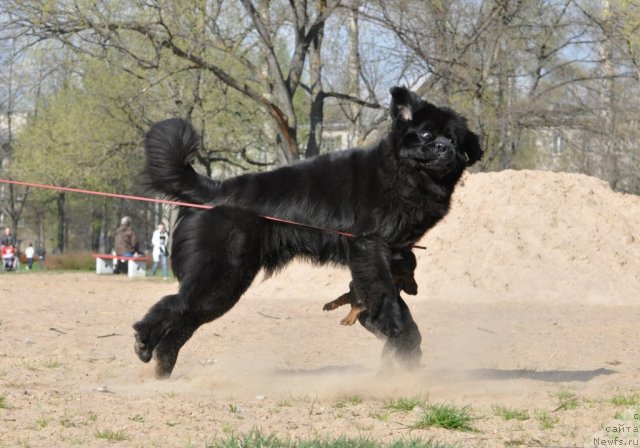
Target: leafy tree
(79,139)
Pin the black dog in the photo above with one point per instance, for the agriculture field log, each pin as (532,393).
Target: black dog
(388,196)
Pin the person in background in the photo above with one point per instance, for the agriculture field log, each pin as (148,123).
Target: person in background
(160,241)
(7,238)
(125,243)
(40,253)
(9,250)
(30,252)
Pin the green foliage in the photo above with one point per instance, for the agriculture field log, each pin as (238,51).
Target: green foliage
(511,413)
(258,440)
(112,436)
(446,416)
(626,400)
(567,400)
(351,400)
(80,137)
(546,420)
(404,404)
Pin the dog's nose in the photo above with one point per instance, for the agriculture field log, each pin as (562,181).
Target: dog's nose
(441,145)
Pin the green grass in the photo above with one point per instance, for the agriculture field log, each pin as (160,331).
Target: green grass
(30,366)
(626,400)
(3,402)
(53,364)
(110,435)
(546,420)
(511,413)
(567,400)
(351,400)
(42,422)
(446,416)
(404,404)
(255,439)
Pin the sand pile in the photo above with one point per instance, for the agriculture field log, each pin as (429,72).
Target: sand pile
(535,236)
(519,235)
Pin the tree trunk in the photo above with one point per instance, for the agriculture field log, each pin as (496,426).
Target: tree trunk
(353,86)
(61,222)
(316,115)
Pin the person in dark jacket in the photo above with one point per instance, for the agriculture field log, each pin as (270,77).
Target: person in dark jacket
(125,243)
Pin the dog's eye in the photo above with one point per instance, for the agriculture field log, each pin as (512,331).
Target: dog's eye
(425,134)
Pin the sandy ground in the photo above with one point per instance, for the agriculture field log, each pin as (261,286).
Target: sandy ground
(529,300)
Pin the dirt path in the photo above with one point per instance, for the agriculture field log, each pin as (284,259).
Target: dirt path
(68,372)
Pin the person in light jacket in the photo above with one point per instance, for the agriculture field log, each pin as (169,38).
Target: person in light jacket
(160,242)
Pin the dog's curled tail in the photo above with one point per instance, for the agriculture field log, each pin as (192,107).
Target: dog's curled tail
(170,146)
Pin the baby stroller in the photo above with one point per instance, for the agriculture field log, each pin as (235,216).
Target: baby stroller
(9,258)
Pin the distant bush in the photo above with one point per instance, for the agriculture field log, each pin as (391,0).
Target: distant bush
(71,261)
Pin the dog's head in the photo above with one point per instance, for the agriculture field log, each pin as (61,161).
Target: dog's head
(403,265)
(432,138)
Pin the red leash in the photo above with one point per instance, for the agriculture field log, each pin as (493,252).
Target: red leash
(164,201)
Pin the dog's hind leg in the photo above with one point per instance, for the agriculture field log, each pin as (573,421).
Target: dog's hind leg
(353,314)
(215,265)
(224,290)
(344,299)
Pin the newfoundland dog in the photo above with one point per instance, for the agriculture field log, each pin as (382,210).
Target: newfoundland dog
(386,196)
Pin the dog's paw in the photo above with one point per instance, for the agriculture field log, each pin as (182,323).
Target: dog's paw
(140,345)
(330,306)
(352,317)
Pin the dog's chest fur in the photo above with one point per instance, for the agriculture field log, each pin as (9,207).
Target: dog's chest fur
(414,205)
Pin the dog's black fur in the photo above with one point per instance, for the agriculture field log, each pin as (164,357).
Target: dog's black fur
(388,196)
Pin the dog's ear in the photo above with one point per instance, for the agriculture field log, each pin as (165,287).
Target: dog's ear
(400,108)
(471,146)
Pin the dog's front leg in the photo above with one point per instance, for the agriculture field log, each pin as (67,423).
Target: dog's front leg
(372,281)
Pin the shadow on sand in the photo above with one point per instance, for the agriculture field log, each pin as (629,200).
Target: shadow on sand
(552,376)
(325,370)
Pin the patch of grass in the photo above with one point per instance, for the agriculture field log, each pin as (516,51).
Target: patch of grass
(546,420)
(66,422)
(626,400)
(383,417)
(446,416)
(172,395)
(404,404)
(112,436)
(137,418)
(53,364)
(257,439)
(628,414)
(511,413)
(42,422)
(352,400)
(92,417)
(31,367)
(567,400)
(283,403)
(3,402)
